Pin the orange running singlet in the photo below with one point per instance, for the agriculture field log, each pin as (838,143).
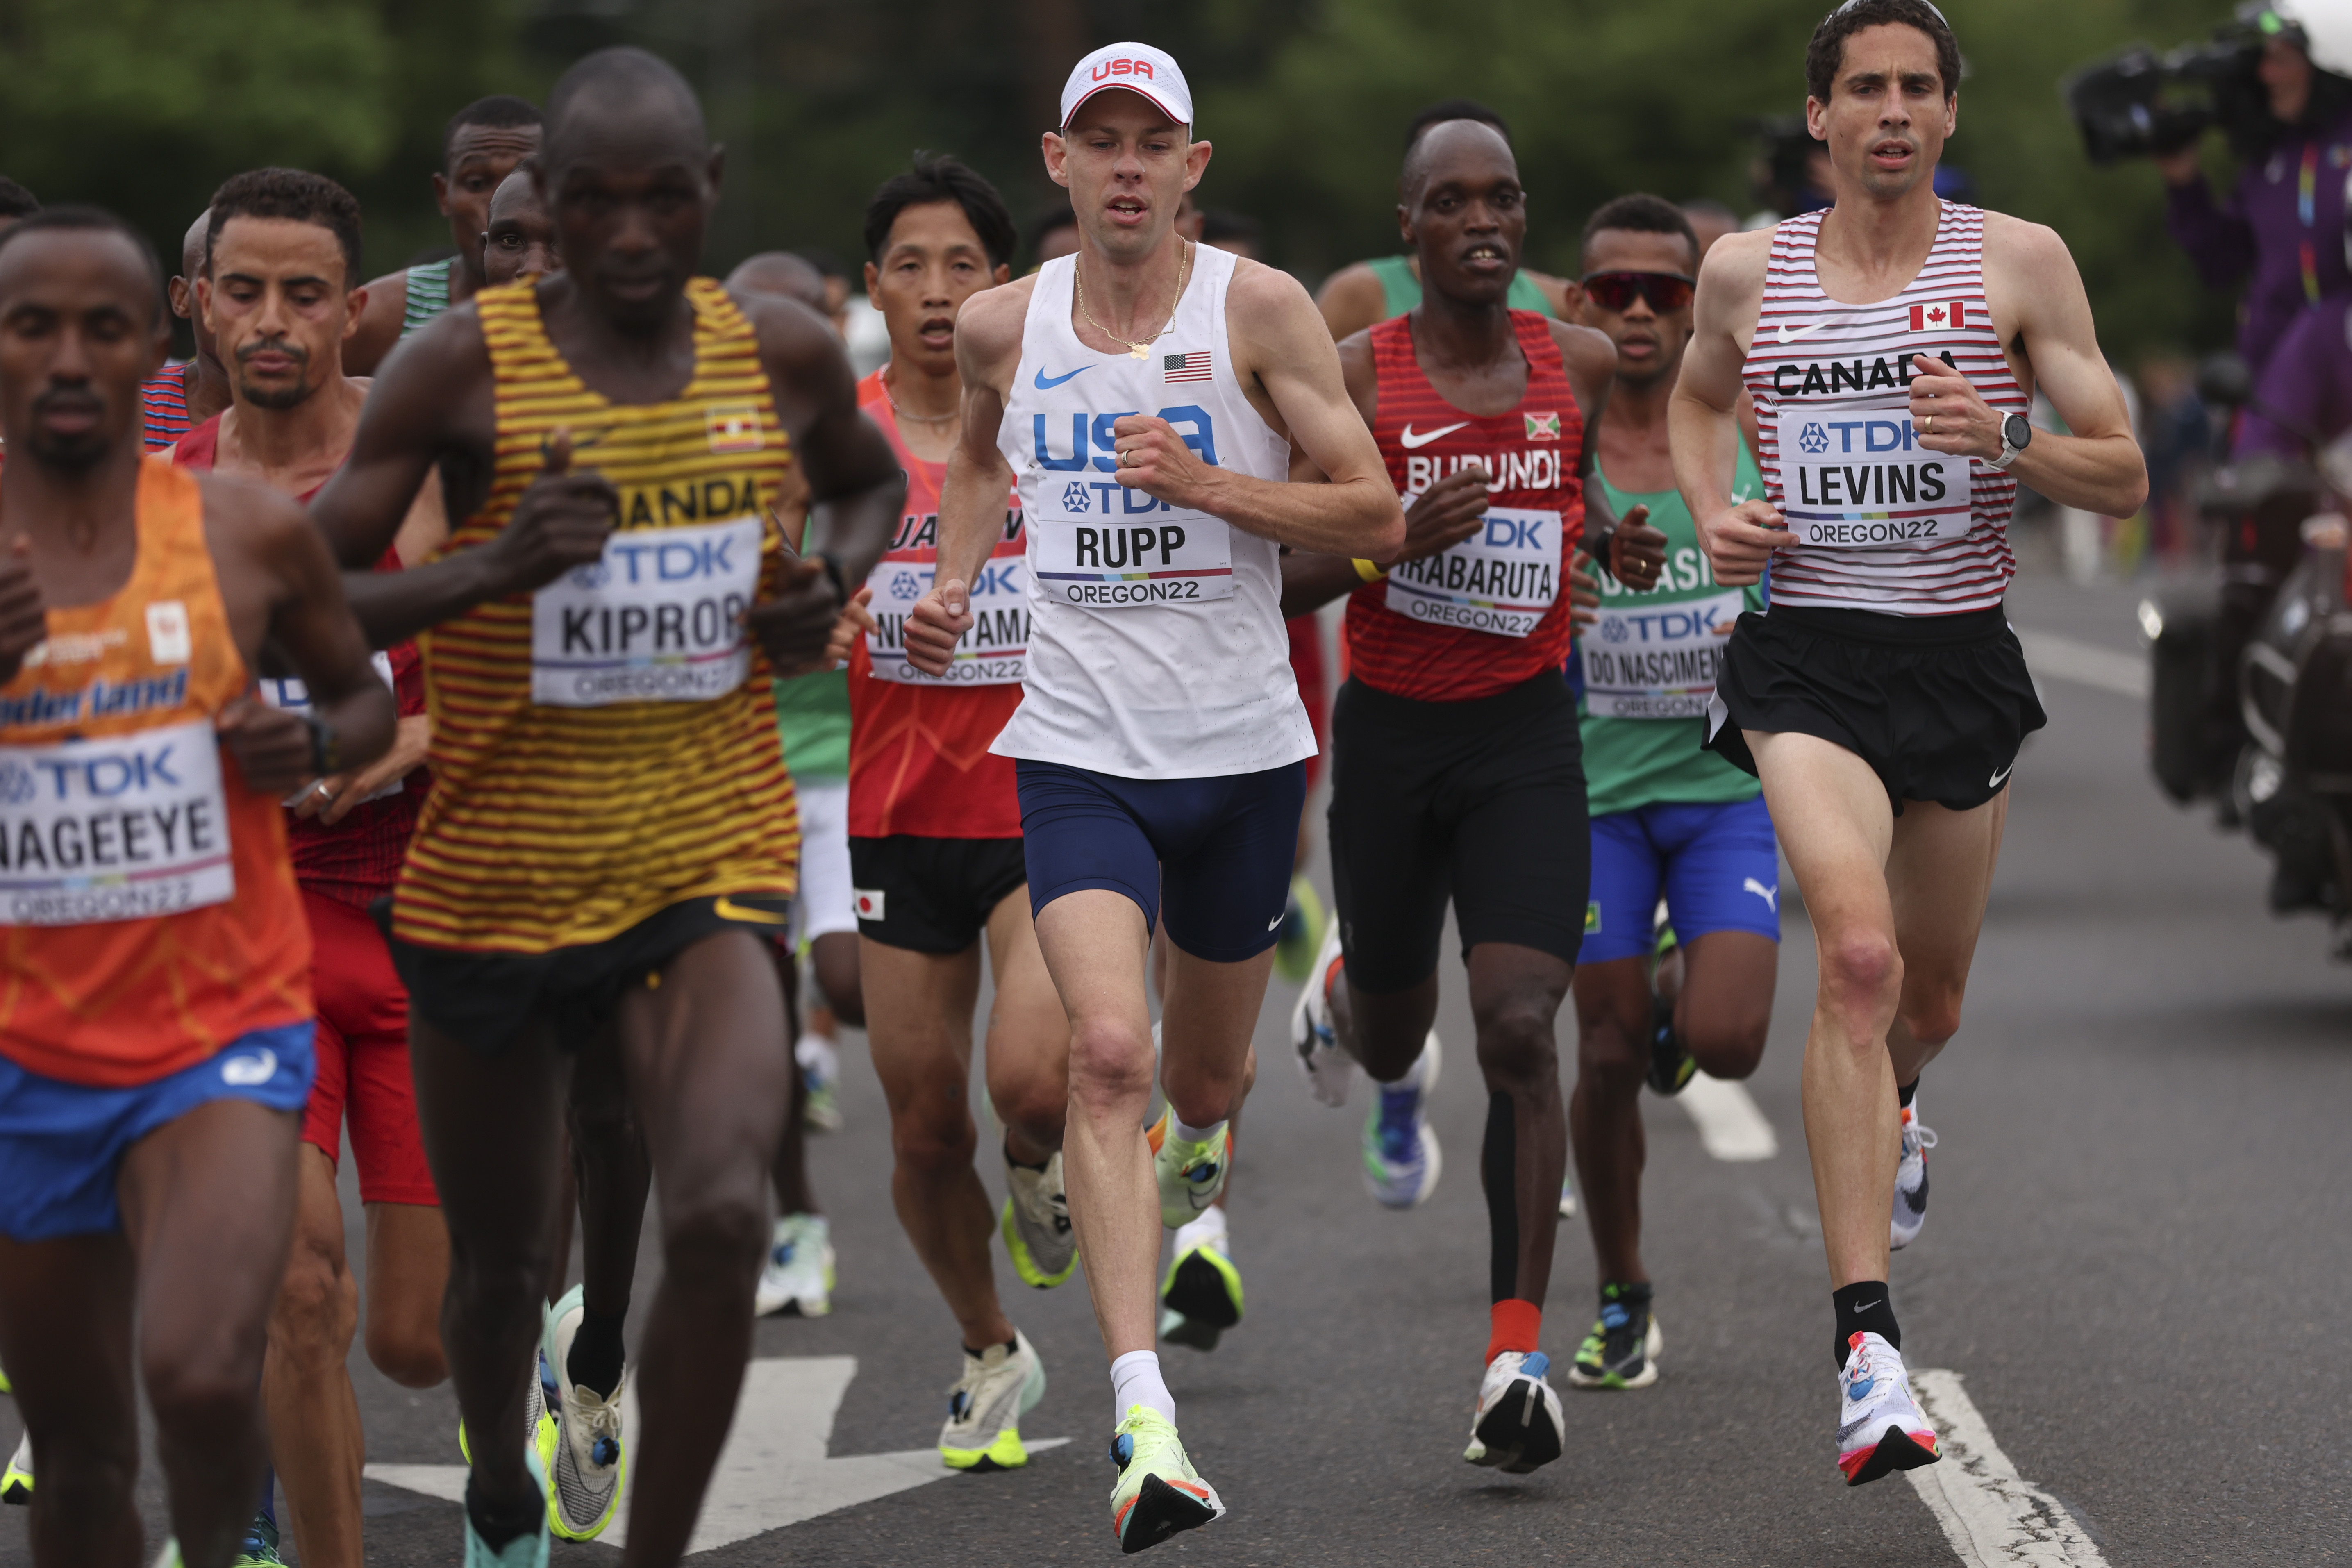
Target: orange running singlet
(148,911)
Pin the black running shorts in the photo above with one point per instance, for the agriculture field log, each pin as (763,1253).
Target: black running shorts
(1938,705)
(1479,802)
(931,895)
(486,999)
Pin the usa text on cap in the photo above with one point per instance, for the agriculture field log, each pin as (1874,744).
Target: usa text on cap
(1138,67)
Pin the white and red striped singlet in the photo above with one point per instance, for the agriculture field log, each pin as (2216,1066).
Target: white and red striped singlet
(1883,523)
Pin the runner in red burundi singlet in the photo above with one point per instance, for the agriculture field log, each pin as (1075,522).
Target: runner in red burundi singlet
(1456,760)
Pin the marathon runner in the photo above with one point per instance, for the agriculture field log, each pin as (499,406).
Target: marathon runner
(1148,393)
(1667,818)
(275,292)
(1891,345)
(610,839)
(177,398)
(485,141)
(935,852)
(1455,756)
(155,1040)
(519,239)
(1388,286)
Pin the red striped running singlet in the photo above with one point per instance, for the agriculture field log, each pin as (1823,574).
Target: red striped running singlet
(1883,523)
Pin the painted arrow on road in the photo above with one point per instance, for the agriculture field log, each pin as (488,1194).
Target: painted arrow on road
(774,1470)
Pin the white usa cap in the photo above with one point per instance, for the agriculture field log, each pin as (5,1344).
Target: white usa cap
(1138,67)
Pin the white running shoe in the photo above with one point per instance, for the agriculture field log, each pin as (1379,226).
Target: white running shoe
(1880,1426)
(1518,1426)
(16,1482)
(1158,1492)
(1910,1180)
(1190,1176)
(1401,1159)
(1036,1224)
(1327,1067)
(590,1462)
(799,1276)
(1568,1196)
(819,1060)
(986,1404)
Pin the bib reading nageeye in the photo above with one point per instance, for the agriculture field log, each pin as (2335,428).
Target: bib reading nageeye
(1501,579)
(1107,547)
(285,691)
(658,619)
(994,652)
(126,828)
(1656,661)
(1856,477)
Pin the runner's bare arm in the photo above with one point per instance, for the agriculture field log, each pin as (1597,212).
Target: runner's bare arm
(1702,417)
(1629,547)
(1351,300)
(971,501)
(1282,351)
(2041,311)
(1311,582)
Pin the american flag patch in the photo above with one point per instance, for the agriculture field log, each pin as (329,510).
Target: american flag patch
(733,428)
(1193,366)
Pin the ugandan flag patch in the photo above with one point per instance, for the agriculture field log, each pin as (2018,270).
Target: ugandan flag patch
(733,428)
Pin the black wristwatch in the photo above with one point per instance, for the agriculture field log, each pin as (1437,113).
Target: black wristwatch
(2016,434)
(326,746)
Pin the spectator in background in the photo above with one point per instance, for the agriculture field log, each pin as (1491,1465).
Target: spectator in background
(1236,232)
(2282,225)
(2174,431)
(1052,233)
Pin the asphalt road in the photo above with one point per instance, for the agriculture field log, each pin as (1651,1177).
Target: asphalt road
(2137,1258)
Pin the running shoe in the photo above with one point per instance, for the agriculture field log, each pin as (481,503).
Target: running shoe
(1158,1491)
(1401,1159)
(820,1065)
(1880,1426)
(986,1404)
(1622,1351)
(799,1276)
(17,1481)
(1518,1426)
(259,1547)
(5,1386)
(1672,1067)
(1191,1175)
(1301,931)
(590,1460)
(524,1551)
(1910,1180)
(1201,1294)
(538,1426)
(1036,1224)
(1568,1196)
(1328,1069)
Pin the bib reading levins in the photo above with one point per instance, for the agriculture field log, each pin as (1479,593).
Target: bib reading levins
(1502,579)
(1856,478)
(116,829)
(658,619)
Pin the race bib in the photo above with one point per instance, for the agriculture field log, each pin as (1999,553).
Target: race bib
(994,652)
(291,694)
(1501,579)
(1856,478)
(1656,661)
(658,619)
(123,828)
(1108,548)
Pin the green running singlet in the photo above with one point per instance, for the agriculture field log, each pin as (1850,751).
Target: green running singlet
(1629,762)
(1404,289)
(428,294)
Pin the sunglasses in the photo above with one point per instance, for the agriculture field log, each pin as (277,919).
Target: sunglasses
(1617,290)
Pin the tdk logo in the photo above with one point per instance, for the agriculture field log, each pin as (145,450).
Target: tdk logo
(105,776)
(1093,440)
(1082,497)
(1515,534)
(670,560)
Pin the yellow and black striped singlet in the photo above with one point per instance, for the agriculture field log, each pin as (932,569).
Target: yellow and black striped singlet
(551,827)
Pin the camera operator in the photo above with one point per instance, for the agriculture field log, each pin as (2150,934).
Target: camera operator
(2284,222)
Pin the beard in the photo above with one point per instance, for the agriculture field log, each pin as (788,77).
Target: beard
(275,394)
(73,453)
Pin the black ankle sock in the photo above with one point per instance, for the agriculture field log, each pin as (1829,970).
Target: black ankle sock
(1009,1346)
(596,1354)
(1863,1307)
(1903,1092)
(497,1528)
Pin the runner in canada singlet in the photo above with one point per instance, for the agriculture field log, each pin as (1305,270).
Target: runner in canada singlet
(1493,611)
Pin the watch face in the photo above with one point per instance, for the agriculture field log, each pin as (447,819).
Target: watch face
(2017,430)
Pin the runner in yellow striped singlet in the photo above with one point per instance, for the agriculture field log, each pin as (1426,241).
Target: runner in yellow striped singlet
(611,834)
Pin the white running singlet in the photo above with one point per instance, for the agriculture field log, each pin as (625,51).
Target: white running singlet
(1156,643)
(1882,522)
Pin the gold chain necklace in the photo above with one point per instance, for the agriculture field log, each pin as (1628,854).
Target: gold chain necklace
(898,412)
(1135,350)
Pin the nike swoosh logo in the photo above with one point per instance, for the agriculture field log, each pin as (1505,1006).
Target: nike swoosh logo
(1999,776)
(1805,331)
(1408,440)
(727,909)
(1864,1306)
(1047,383)
(1270,924)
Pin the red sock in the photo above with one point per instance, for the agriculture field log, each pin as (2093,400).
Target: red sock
(1518,1326)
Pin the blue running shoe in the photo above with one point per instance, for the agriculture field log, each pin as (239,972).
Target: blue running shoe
(1401,1159)
(529,1551)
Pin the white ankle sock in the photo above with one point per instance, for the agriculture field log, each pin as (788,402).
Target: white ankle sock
(1179,1128)
(1135,1380)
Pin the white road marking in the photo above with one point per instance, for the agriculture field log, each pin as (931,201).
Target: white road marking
(774,1470)
(2048,653)
(1730,1126)
(1993,1518)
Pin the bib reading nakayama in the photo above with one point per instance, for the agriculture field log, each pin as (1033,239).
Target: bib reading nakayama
(1855,477)
(291,694)
(994,652)
(1501,579)
(127,827)
(1656,661)
(658,619)
(1108,547)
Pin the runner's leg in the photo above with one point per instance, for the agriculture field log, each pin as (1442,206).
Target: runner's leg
(1028,1051)
(614,1178)
(65,1335)
(1612,1018)
(1938,874)
(314,1416)
(1515,997)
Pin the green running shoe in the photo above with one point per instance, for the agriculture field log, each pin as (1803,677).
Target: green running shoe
(1622,1351)
(1202,1288)
(529,1551)
(17,1481)
(1301,933)
(261,1546)
(1036,1224)
(1190,1175)
(1158,1492)
(983,1431)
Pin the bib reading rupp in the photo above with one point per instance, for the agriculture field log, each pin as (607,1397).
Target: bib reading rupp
(919,757)
(602,749)
(148,910)
(1883,523)
(1156,642)
(1491,612)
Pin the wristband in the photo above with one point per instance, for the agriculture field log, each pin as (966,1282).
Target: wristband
(326,746)
(1368,571)
(1598,546)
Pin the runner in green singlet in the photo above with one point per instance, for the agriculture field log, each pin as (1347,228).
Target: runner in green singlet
(1668,818)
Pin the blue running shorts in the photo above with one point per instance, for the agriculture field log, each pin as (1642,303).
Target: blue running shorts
(1216,851)
(62,1145)
(1716,864)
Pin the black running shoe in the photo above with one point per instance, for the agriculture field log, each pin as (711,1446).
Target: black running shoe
(1671,1065)
(1622,1351)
